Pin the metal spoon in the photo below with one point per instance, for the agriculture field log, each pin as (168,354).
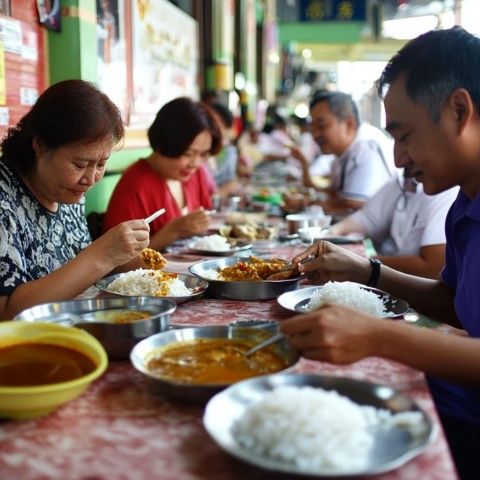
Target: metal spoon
(273,339)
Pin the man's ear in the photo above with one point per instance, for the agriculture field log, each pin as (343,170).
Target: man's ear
(462,106)
(351,123)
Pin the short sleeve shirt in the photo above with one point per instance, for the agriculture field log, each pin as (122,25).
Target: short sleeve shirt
(401,222)
(462,274)
(33,240)
(363,168)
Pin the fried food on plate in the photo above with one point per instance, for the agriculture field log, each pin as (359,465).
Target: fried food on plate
(152,259)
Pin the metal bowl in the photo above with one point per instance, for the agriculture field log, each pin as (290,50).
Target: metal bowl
(297,300)
(191,392)
(261,290)
(297,221)
(195,284)
(95,316)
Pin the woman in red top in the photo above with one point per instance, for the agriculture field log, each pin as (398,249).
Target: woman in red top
(183,135)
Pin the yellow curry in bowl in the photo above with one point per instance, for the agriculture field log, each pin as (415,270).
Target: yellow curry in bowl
(204,361)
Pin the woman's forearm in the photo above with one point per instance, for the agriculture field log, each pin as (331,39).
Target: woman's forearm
(63,284)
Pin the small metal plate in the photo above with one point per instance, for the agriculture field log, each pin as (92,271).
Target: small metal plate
(197,285)
(297,300)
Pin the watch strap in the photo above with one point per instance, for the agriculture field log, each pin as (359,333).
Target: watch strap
(375,272)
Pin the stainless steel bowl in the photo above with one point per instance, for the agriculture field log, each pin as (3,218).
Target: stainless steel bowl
(95,316)
(261,290)
(297,221)
(141,351)
(297,301)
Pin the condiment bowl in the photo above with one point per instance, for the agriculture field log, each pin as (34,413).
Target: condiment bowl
(98,316)
(19,402)
(297,221)
(144,350)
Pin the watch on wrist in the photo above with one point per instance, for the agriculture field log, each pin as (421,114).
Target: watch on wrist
(375,272)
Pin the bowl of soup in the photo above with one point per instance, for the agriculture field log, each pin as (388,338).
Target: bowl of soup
(43,366)
(196,363)
(118,323)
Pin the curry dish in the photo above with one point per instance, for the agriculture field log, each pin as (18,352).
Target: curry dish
(254,269)
(212,361)
(29,364)
(126,316)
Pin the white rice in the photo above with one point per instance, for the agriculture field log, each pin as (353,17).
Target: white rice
(214,243)
(211,274)
(314,429)
(143,282)
(349,294)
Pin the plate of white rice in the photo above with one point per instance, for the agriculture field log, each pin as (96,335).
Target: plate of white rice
(316,425)
(217,246)
(349,294)
(154,283)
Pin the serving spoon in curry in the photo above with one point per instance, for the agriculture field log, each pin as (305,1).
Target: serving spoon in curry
(265,343)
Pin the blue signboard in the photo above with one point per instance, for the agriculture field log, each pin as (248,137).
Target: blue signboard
(333,10)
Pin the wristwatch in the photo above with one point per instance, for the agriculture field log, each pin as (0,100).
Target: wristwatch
(375,273)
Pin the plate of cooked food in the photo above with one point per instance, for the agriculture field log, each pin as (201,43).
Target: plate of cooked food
(349,294)
(246,278)
(318,426)
(217,246)
(152,281)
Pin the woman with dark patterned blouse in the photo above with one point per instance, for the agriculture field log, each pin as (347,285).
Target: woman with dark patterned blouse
(57,151)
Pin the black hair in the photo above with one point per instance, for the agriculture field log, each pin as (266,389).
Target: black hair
(67,112)
(340,104)
(177,124)
(435,64)
(223,112)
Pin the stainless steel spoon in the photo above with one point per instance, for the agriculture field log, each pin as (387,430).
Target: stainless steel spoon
(273,339)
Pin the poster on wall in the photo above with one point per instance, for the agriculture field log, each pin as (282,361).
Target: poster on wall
(111,53)
(49,14)
(165,56)
(5,7)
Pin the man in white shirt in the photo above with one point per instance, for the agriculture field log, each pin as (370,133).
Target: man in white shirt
(406,226)
(362,163)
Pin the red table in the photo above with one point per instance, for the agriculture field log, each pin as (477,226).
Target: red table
(119,430)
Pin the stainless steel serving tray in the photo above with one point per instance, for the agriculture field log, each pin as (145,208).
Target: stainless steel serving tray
(261,290)
(296,301)
(197,285)
(200,393)
(393,446)
(94,315)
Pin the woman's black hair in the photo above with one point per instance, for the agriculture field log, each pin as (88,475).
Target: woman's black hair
(67,112)
(177,124)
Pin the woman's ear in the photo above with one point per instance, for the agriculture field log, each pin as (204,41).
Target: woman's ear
(37,145)
(462,106)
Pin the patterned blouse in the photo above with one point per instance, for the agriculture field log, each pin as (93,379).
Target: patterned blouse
(34,241)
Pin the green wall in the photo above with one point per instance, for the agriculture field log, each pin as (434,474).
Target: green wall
(72,53)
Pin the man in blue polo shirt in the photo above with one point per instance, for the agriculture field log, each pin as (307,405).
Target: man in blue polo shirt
(432,106)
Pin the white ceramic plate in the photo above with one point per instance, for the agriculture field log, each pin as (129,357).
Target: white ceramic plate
(392,447)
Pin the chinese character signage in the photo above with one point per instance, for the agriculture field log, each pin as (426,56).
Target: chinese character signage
(333,10)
